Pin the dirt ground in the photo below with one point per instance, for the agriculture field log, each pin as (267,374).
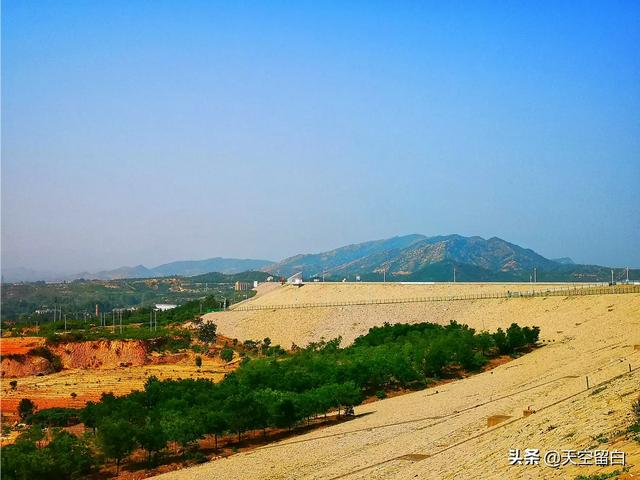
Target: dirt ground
(442,433)
(304,325)
(55,390)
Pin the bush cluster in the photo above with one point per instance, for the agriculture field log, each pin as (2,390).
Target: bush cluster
(282,391)
(65,456)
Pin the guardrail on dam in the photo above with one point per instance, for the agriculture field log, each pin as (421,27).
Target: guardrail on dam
(561,292)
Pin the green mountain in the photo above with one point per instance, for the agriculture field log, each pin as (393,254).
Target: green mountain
(420,258)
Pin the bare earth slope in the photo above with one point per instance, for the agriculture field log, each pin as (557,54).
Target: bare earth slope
(445,429)
(301,326)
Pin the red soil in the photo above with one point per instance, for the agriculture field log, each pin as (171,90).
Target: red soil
(19,346)
(10,405)
(103,354)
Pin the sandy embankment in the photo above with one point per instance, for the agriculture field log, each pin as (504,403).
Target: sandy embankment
(446,433)
(301,326)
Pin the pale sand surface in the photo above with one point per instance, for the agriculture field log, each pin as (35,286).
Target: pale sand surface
(303,325)
(592,336)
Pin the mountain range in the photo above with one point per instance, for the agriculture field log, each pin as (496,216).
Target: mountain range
(404,258)
(421,258)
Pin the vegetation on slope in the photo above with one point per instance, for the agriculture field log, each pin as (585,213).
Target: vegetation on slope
(77,300)
(276,391)
(141,324)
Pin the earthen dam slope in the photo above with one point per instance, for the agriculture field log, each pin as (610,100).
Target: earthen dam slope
(443,432)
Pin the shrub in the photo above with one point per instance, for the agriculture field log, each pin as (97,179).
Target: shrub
(226,354)
(26,408)
(515,337)
(198,361)
(531,334)
(56,417)
(207,332)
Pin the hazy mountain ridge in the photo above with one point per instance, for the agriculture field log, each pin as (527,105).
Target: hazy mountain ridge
(403,258)
(185,268)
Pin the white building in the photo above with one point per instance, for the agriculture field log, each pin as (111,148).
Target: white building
(165,306)
(296,279)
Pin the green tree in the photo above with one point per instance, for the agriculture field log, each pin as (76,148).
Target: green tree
(285,413)
(226,354)
(182,427)
(151,437)
(531,334)
(89,416)
(66,457)
(70,455)
(500,339)
(26,408)
(207,332)
(515,337)
(485,342)
(116,438)
(216,423)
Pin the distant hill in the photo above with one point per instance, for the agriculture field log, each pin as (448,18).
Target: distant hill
(185,268)
(564,261)
(420,258)
(216,277)
(20,274)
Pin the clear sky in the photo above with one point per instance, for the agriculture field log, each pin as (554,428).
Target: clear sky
(152,131)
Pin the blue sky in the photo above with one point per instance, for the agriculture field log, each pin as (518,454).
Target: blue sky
(145,132)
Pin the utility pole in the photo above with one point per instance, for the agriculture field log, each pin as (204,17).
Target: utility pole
(454,274)
(150,319)
(65,322)
(612,276)
(627,274)
(535,275)
(384,275)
